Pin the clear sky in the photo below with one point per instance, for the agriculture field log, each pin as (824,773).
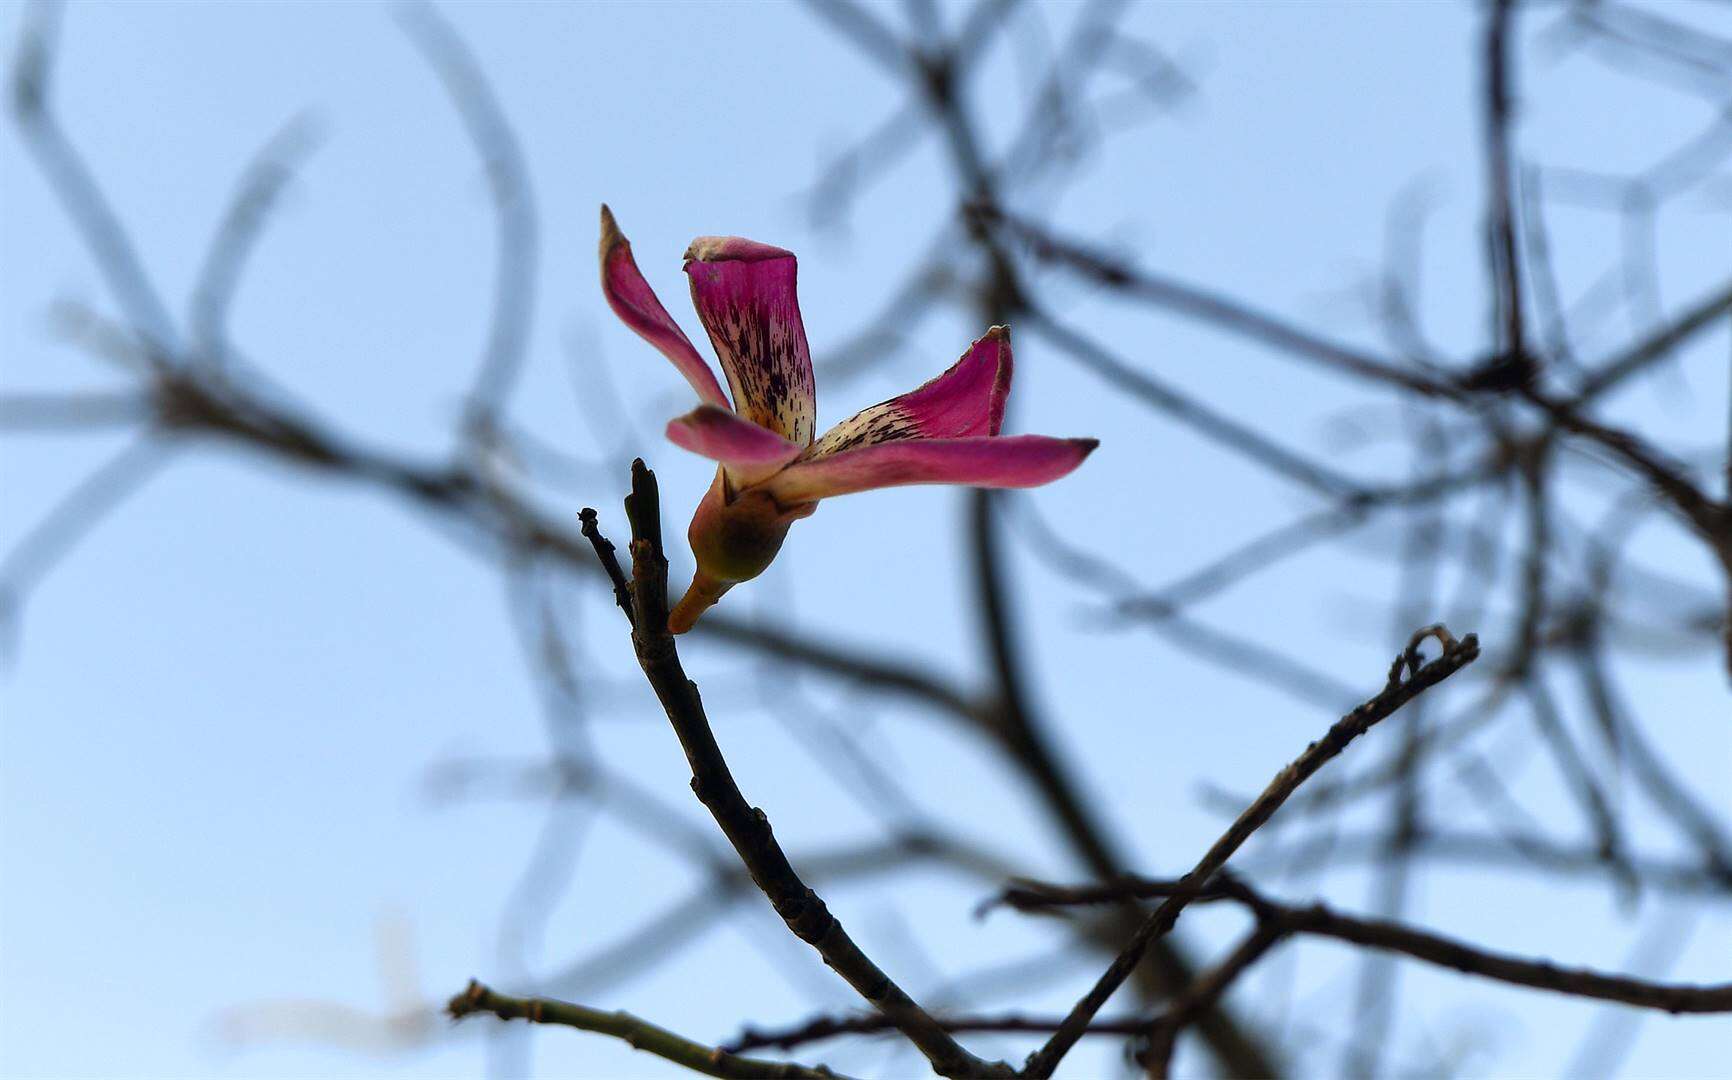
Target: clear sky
(222,711)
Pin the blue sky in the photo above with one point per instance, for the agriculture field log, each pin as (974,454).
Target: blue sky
(220,714)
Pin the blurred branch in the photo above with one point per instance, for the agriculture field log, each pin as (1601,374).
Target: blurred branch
(1506,850)
(1500,225)
(1212,308)
(256,195)
(1213,425)
(71,412)
(71,519)
(1224,649)
(514,211)
(1203,994)
(1637,357)
(71,179)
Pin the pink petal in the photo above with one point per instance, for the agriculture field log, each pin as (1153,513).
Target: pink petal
(747,452)
(635,303)
(744,292)
(966,400)
(999,461)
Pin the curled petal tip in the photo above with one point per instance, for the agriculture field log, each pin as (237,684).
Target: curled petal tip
(611,237)
(707,249)
(632,299)
(966,400)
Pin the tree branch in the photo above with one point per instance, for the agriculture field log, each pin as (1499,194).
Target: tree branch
(1500,211)
(1395,694)
(1215,309)
(1321,921)
(1203,994)
(637,1033)
(830,1027)
(747,827)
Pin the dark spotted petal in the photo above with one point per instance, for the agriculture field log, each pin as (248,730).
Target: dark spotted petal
(966,400)
(744,292)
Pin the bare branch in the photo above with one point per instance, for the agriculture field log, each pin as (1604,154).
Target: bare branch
(1500,177)
(1396,693)
(261,186)
(829,1027)
(639,1034)
(1318,920)
(1207,990)
(746,827)
(71,179)
(513,203)
(78,512)
(1215,309)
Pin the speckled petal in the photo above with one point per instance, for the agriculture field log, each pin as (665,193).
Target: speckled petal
(747,452)
(968,399)
(745,294)
(635,303)
(997,461)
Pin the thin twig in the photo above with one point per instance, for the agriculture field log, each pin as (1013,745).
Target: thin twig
(829,1027)
(746,827)
(72,181)
(1318,920)
(1500,214)
(604,553)
(1209,307)
(261,185)
(636,1033)
(1205,992)
(517,239)
(1396,693)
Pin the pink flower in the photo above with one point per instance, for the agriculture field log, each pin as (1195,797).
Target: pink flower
(772,472)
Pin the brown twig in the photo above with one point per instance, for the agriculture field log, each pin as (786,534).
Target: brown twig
(830,1027)
(604,553)
(746,827)
(1396,693)
(636,1033)
(1538,974)
(1318,920)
